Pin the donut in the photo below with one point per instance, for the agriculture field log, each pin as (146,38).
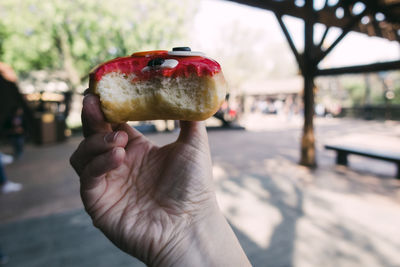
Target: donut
(159,85)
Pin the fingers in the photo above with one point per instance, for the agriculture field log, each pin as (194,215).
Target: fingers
(96,145)
(130,131)
(193,132)
(92,117)
(103,163)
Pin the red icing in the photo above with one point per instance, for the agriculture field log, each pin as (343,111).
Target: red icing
(187,65)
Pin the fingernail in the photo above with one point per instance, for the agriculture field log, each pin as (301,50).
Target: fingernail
(111,137)
(117,150)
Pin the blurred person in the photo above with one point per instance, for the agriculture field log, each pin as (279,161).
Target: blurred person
(155,203)
(7,77)
(12,103)
(7,94)
(224,113)
(7,186)
(16,132)
(8,73)
(320,110)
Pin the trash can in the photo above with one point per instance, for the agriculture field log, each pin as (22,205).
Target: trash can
(45,128)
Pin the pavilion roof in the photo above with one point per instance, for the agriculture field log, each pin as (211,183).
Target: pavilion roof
(379,18)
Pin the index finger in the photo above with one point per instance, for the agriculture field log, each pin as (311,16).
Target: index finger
(93,120)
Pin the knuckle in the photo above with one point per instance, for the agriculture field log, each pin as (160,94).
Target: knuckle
(82,145)
(72,159)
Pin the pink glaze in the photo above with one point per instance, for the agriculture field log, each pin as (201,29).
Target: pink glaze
(135,63)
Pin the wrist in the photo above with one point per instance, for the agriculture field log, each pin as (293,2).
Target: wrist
(207,242)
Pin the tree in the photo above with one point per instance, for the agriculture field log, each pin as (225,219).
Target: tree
(76,35)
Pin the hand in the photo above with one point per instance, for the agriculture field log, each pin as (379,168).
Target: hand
(155,203)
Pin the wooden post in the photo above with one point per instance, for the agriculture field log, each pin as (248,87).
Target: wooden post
(308,139)
(308,71)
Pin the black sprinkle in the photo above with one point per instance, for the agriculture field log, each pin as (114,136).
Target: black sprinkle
(155,62)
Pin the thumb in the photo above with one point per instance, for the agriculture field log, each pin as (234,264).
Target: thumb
(193,133)
(92,117)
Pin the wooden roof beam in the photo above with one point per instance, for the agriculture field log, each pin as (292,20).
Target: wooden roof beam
(345,31)
(290,40)
(375,67)
(327,15)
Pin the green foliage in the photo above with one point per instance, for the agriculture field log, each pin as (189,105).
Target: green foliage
(76,35)
(377,97)
(356,93)
(371,89)
(396,99)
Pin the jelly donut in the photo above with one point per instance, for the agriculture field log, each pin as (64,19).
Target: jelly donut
(159,85)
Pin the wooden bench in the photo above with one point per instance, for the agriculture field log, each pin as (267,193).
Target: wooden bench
(343,151)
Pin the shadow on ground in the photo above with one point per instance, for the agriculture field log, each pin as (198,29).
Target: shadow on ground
(67,239)
(282,213)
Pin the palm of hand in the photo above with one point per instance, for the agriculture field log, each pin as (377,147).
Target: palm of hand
(152,192)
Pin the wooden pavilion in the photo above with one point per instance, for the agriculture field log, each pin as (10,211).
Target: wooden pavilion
(379,18)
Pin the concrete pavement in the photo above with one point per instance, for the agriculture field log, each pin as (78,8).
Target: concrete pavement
(283,214)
